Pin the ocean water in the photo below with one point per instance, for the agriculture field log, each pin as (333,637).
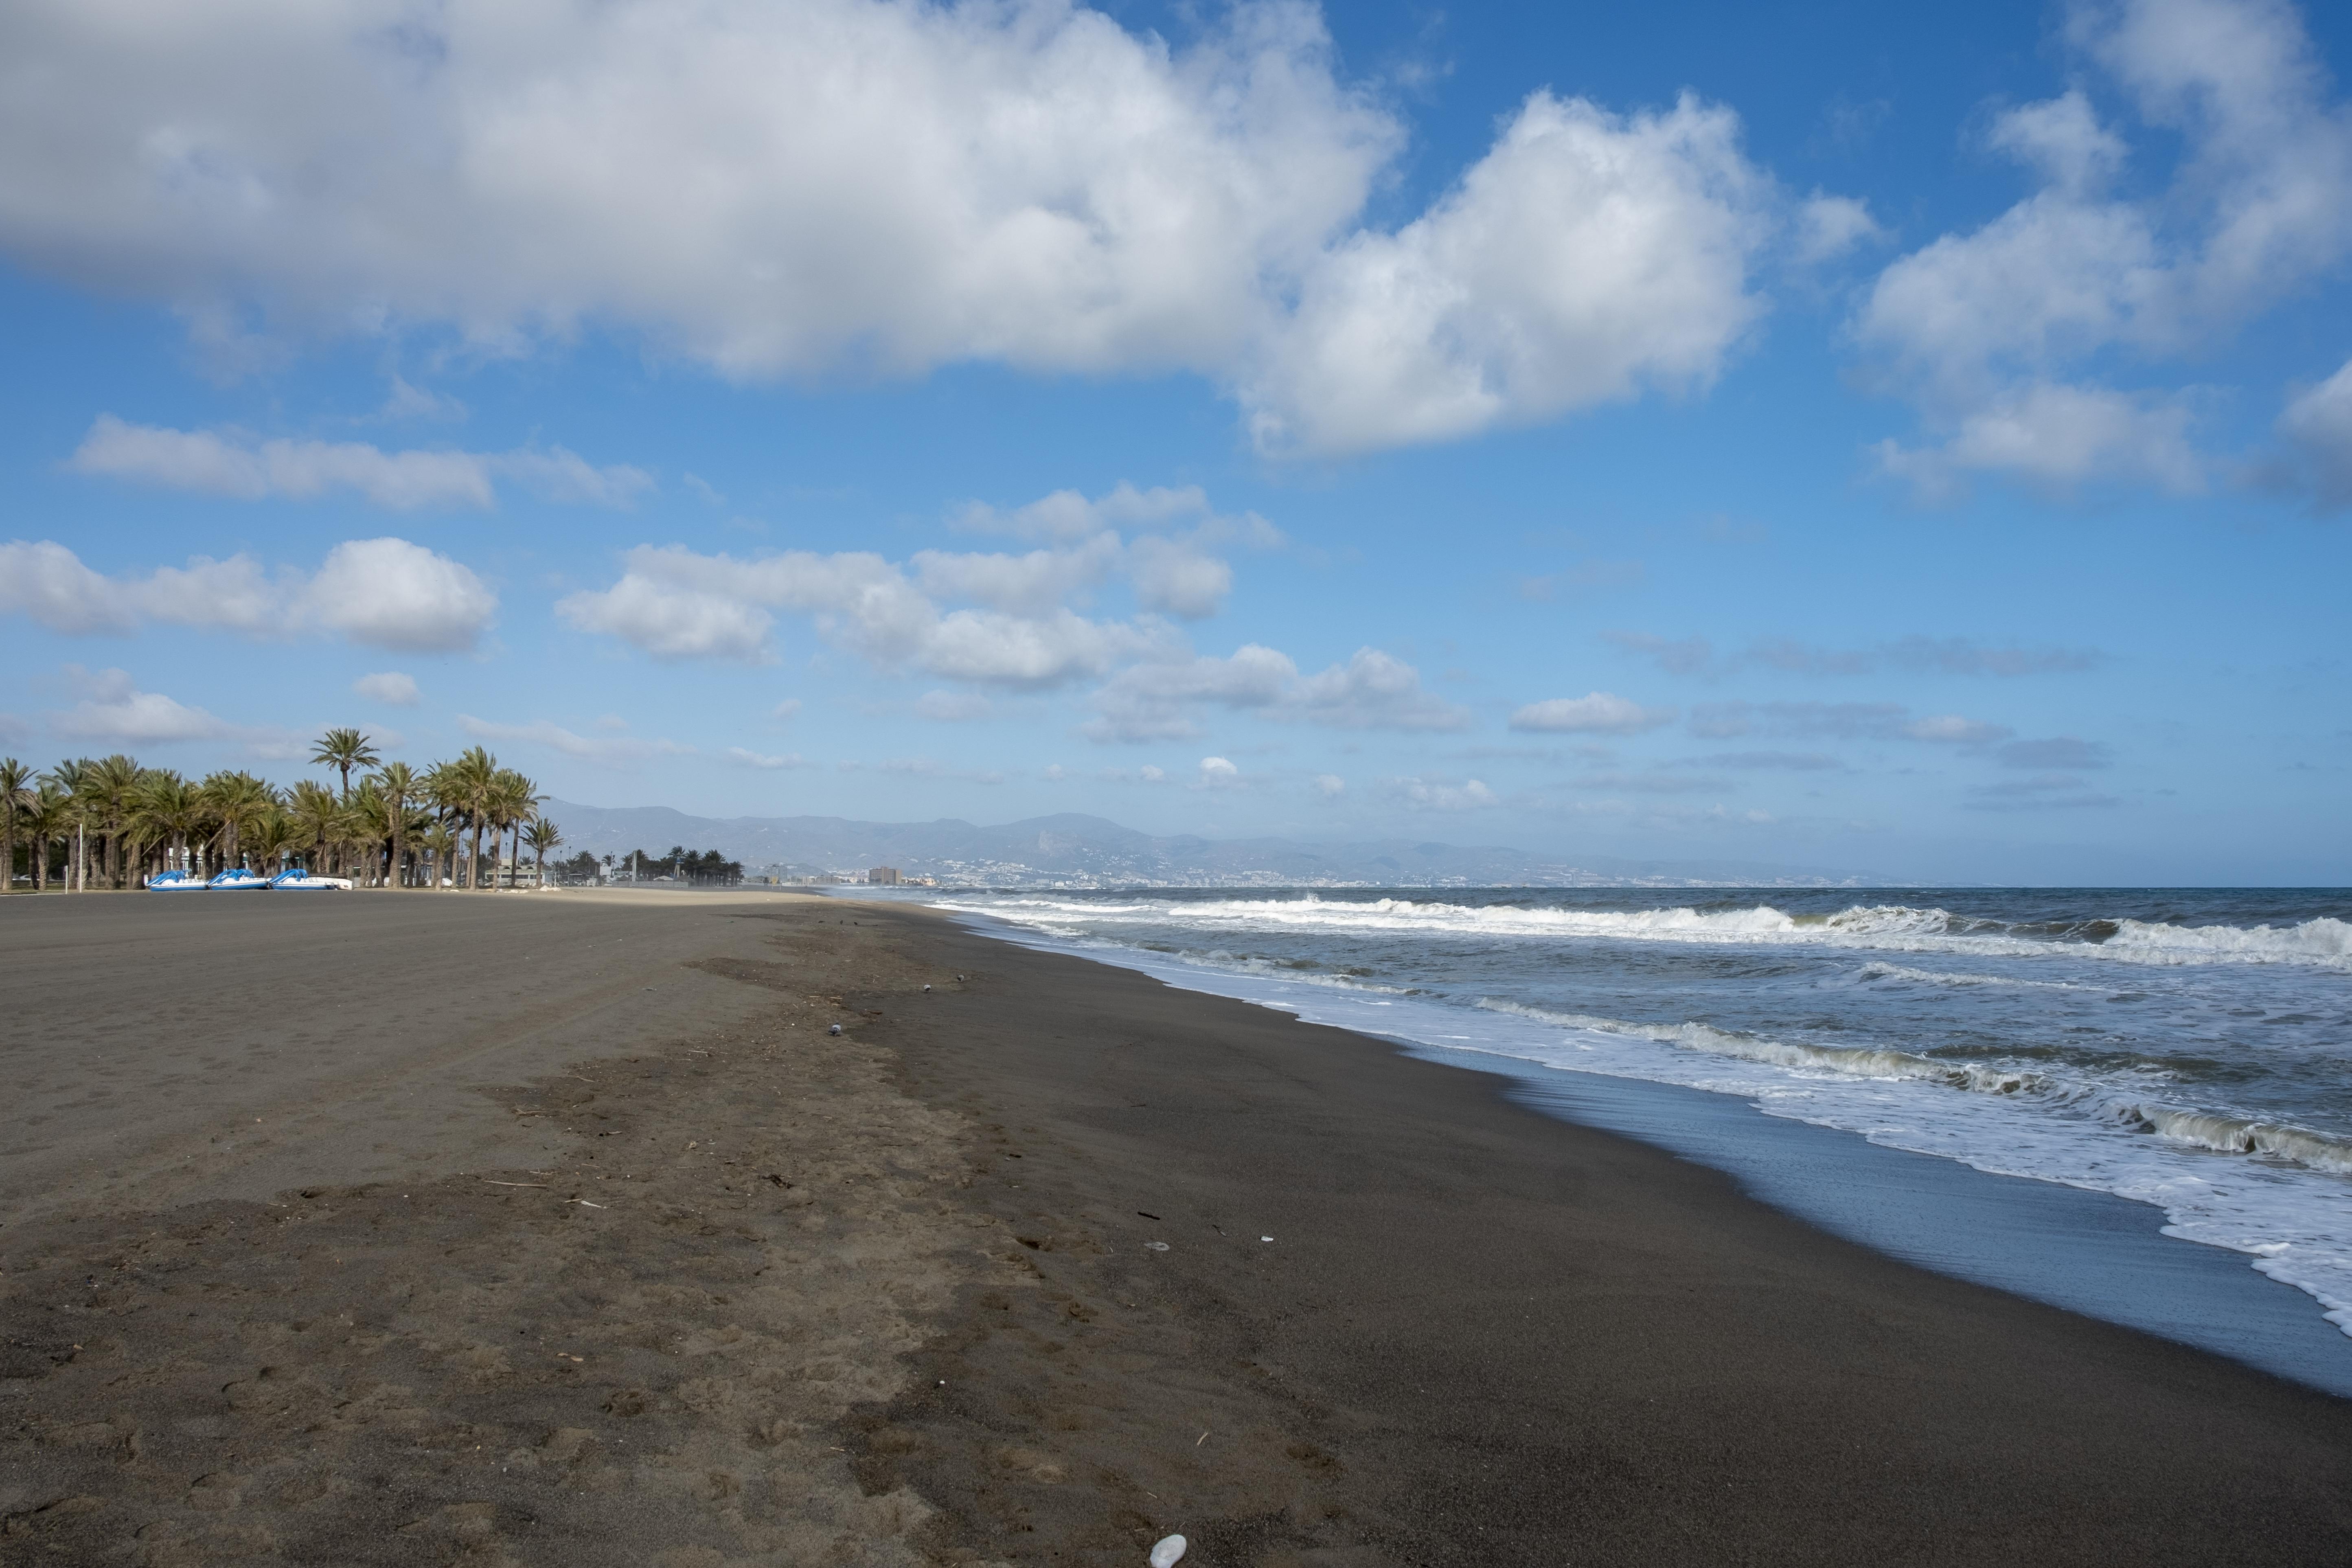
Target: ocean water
(2186,1048)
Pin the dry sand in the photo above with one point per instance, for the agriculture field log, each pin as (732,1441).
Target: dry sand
(764,1294)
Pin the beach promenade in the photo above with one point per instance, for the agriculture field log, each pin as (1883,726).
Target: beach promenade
(559,1228)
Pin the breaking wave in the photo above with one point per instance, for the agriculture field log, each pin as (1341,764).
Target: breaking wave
(1851,1061)
(2214,1130)
(2324,942)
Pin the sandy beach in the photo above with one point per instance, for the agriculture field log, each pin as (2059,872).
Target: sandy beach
(558,1228)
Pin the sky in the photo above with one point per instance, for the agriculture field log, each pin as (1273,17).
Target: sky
(1913,440)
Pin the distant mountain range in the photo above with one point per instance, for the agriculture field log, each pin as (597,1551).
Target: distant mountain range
(1071,850)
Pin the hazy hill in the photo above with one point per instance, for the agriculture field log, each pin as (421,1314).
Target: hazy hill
(1074,849)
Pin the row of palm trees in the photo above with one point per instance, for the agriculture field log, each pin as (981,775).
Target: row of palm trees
(108,822)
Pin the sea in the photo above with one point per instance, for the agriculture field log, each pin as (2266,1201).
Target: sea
(2131,1102)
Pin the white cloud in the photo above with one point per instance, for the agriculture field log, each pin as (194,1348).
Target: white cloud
(1066,517)
(218,464)
(49,583)
(1952,730)
(386,593)
(406,402)
(874,186)
(784,711)
(1433,795)
(676,604)
(1846,720)
(1600,713)
(752,759)
(1587,256)
(1990,331)
(669,620)
(1828,227)
(1217,772)
(2063,141)
(2317,429)
(1329,787)
(615,751)
(986,618)
(1687,657)
(1178,578)
(2060,437)
(114,712)
(1372,690)
(389,592)
(390,688)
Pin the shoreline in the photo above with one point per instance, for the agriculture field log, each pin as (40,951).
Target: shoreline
(918,1319)
(2083,1249)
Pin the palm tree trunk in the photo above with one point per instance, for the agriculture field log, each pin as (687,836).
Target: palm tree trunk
(474,866)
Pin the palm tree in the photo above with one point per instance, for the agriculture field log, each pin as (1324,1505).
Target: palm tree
(344,750)
(110,785)
(45,815)
(272,836)
(437,842)
(401,788)
(70,779)
(168,807)
(313,808)
(543,837)
(237,802)
(517,801)
(16,792)
(415,822)
(364,828)
(472,786)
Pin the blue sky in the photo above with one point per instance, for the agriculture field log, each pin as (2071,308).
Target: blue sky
(1833,435)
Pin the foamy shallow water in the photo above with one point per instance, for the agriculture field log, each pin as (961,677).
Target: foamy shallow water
(2191,1050)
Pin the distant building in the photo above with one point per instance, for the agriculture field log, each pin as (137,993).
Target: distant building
(883,877)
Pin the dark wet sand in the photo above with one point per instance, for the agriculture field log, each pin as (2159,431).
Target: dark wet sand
(889,1297)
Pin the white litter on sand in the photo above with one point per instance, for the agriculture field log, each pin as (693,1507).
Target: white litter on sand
(1168,1550)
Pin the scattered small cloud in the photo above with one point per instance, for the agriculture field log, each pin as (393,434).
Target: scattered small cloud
(406,402)
(1791,762)
(2043,791)
(2064,751)
(1687,657)
(1440,794)
(1650,784)
(1329,787)
(783,712)
(1842,721)
(1829,227)
(229,463)
(390,688)
(1599,712)
(612,751)
(1216,772)
(1372,690)
(1915,655)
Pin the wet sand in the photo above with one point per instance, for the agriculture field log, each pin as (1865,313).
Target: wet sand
(566,1234)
